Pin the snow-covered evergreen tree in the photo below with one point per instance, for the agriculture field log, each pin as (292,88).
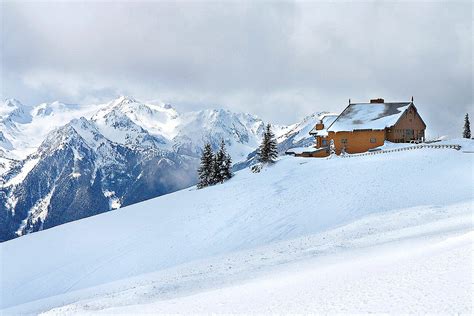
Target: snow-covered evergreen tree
(268,152)
(467,127)
(227,170)
(206,170)
(216,170)
(219,163)
(223,164)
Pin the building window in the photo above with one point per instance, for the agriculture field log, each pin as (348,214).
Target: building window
(373,140)
(344,141)
(325,142)
(409,132)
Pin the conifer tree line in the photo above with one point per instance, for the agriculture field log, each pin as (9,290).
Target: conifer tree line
(215,167)
(268,152)
(467,127)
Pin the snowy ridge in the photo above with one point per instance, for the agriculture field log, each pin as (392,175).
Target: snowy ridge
(241,132)
(127,121)
(157,119)
(25,127)
(299,132)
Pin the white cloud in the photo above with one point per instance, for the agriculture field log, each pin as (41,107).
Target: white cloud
(278,60)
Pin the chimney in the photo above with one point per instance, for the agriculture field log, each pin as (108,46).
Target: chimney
(379,100)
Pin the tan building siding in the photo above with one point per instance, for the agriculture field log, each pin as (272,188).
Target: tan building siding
(357,141)
(409,127)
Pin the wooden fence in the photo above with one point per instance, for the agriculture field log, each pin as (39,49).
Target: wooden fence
(456,147)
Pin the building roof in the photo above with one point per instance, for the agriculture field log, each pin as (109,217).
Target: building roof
(327,119)
(376,116)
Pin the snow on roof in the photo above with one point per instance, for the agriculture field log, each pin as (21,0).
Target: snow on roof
(376,116)
(300,150)
(327,119)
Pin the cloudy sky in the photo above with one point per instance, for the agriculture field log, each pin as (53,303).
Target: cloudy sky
(279,60)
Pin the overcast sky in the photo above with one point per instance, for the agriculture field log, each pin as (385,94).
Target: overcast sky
(279,60)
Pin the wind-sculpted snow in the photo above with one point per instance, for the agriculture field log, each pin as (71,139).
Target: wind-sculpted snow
(197,241)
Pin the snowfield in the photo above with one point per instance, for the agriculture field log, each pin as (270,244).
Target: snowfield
(388,233)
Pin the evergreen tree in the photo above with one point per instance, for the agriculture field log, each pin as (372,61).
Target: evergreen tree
(227,171)
(216,170)
(224,163)
(205,170)
(467,127)
(268,149)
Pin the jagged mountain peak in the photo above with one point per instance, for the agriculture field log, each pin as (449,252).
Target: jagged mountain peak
(240,132)
(129,104)
(117,126)
(80,123)
(15,112)
(156,118)
(122,100)
(76,131)
(126,98)
(12,102)
(56,107)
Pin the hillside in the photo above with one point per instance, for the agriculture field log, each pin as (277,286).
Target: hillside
(394,230)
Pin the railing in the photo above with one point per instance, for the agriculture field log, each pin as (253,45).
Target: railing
(456,147)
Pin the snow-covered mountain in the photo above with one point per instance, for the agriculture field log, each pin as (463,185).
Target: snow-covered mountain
(93,159)
(77,172)
(23,128)
(364,234)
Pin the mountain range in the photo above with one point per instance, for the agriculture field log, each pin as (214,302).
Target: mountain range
(63,162)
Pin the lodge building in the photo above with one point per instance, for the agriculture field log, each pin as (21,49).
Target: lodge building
(363,126)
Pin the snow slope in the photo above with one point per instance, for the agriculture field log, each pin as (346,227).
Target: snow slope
(279,240)
(423,270)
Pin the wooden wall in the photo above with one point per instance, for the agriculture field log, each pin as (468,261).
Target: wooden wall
(357,141)
(410,120)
